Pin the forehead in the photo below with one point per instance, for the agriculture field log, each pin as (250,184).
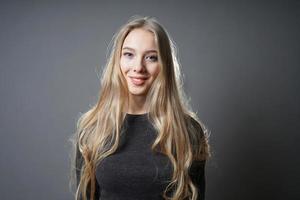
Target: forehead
(140,39)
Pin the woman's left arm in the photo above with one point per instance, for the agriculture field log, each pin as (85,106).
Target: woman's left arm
(197,174)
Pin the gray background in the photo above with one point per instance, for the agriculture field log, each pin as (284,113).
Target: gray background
(241,69)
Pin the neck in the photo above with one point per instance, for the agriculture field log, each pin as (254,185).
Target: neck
(136,105)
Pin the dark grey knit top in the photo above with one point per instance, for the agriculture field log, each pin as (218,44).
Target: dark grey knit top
(134,172)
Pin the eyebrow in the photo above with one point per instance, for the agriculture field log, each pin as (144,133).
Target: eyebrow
(148,51)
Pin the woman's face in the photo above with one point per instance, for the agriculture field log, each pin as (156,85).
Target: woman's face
(139,61)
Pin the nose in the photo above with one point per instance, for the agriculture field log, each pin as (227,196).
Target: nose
(139,65)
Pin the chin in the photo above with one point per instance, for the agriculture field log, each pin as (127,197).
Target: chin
(137,92)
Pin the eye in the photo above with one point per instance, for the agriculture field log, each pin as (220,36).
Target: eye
(152,58)
(127,54)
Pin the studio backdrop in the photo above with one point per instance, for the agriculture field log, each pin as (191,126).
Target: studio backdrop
(241,66)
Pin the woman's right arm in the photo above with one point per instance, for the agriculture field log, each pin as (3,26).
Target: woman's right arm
(78,164)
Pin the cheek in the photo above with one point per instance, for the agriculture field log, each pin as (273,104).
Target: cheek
(124,66)
(154,70)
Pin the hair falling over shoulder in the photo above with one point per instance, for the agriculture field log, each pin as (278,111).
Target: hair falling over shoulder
(182,137)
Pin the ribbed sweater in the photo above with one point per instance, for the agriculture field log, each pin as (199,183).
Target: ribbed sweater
(134,172)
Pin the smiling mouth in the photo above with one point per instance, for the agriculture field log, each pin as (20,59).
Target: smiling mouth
(138,81)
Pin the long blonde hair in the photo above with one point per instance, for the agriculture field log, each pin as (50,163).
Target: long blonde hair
(181,135)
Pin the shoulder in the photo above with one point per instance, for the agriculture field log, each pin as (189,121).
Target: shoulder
(198,139)
(194,126)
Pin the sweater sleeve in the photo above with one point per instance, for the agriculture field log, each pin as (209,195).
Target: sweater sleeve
(78,164)
(197,174)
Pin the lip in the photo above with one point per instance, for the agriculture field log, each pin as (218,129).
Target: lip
(139,77)
(138,81)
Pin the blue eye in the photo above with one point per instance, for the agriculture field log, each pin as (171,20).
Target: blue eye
(153,58)
(127,54)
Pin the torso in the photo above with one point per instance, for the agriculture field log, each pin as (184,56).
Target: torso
(134,171)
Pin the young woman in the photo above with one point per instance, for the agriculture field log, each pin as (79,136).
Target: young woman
(141,140)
